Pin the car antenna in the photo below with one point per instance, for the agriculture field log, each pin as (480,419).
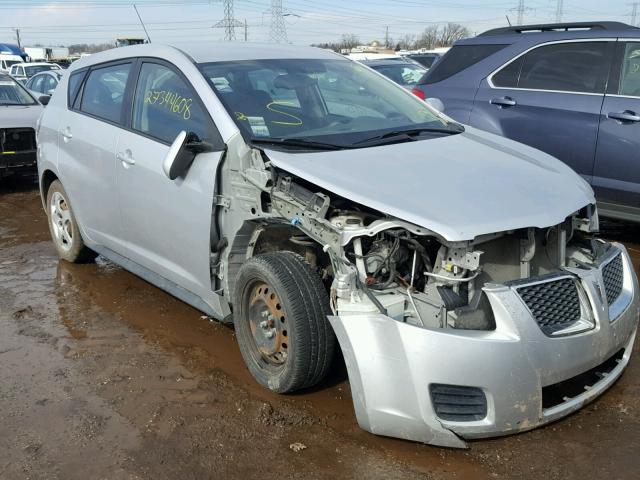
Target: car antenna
(508,21)
(142,23)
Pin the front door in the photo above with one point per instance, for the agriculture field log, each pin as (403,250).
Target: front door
(616,176)
(549,98)
(166,222)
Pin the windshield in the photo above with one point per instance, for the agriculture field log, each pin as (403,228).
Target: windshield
(13,94)
(405,74)
(31,71)
(335,101)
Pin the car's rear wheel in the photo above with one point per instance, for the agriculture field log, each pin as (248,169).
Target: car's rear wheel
(64,228)
(280,317)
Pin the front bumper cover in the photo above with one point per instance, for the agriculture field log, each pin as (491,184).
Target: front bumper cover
(392,364)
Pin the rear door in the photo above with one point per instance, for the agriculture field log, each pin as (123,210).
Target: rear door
(167,223)
(616,176)
(549,98)
(88,136)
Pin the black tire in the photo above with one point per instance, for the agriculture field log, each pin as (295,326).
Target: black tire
(296,293)
(69,245)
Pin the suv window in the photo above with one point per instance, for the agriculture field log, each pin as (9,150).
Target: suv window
(164,105)
(459,58)
(630,75)
(104,91)
(581,67)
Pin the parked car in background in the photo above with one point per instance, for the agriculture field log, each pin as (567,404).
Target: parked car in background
(427,60)
(7,60)
(44,83)
(19,112)
(307,199)
(24,71)
(405,73)
(571,90)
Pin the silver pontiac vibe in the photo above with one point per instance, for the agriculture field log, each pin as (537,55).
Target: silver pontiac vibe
(320,207)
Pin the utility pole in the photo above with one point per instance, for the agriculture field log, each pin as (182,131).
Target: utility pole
(634,13)
(520,11)
(386,36)
(18,37)
(559,10)
(229,23)
(245,30)
(278,32)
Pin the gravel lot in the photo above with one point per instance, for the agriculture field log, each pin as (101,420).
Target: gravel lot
(103,376)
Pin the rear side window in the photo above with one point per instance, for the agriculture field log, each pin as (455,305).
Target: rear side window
(459,58)
(75,80)
(104,92)
(581,67)
(164,105)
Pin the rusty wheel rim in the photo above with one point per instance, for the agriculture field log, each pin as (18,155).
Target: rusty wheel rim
(268,324)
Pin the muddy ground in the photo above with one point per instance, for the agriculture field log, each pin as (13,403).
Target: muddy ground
(103,376)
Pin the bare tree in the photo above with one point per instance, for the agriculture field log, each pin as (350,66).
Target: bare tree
(428,38)
(349,40)
(450,33)
(406,42)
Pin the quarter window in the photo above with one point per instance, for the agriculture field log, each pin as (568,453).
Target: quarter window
(104,91)
(164,105)
(581,67)
(75,80)
(630,75)
(459,58)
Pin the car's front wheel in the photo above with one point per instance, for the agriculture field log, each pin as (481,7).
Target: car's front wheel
(64,228)
(280,318)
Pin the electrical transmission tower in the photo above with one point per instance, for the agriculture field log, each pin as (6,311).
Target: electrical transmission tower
(520,11)
(559,10)
(278,32)
(229,22)
(634,13)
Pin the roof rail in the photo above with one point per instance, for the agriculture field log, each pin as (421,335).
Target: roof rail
(558,27)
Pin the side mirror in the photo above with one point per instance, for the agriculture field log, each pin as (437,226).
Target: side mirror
(181,154)
(44,99)
(436,104)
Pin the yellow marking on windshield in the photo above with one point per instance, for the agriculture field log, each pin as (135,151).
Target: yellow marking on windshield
(297,122)
(8,153)
(172,101)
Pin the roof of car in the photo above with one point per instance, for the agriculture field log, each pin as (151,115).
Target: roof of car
(383,62)
(35,64)
(203,52)
(550,31)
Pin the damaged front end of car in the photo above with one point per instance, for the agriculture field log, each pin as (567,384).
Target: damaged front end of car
(452,340)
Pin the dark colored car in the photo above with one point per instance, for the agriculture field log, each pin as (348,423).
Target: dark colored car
(404,73)
(571,90)
(427,60)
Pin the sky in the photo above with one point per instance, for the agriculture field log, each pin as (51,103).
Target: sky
(307,21)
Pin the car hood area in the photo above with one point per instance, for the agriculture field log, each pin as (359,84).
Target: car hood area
(459,186)
(19,116)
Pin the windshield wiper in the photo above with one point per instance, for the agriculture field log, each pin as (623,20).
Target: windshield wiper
(298,142)
(409,133)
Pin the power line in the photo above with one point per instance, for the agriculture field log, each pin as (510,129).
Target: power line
(278,32)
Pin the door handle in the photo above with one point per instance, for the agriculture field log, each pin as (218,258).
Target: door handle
(126,158)
(66,134)
(504,102)
(625,117)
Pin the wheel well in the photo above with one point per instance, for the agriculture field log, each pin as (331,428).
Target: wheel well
(48,177)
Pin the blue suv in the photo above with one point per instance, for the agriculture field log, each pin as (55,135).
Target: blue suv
(571,90)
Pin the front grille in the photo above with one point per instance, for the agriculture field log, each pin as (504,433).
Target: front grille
(555,305)
(17,140)
(613,276)
(458,404)
(561,392)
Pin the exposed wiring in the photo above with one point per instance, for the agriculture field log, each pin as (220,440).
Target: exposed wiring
(451,279)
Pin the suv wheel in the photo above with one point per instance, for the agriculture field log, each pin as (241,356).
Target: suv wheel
(64,228)
(280,318)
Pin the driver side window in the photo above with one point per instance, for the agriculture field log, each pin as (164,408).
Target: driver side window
(164,105)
